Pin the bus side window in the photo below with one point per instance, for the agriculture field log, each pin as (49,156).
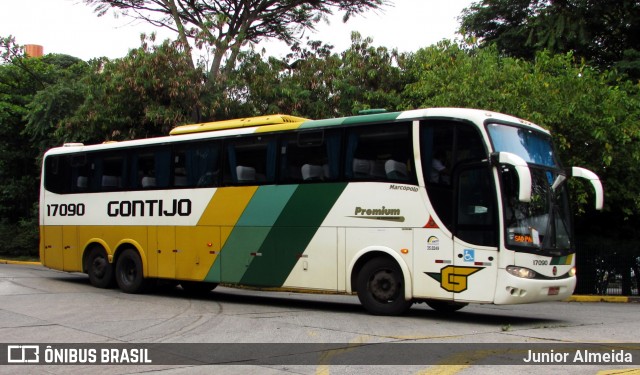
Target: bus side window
(111,171)
(310,156)
(379,153)
(250,161)
(145,171)
(197,165)
(54,179)
(80,173)
(150,169)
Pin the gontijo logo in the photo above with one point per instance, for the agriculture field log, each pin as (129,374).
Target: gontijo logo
(149,207)
(454,278)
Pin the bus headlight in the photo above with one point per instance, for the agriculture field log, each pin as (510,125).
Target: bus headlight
(522,272)
(572,272)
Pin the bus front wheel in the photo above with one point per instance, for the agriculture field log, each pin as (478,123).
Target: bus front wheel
(129,274)
(380,287)
(99,269)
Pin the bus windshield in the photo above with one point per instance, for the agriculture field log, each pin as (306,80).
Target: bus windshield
(542,225)
(532,146)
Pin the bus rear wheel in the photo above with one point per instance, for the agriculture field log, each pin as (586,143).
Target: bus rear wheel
(99,269)
(129,274)
(380,287)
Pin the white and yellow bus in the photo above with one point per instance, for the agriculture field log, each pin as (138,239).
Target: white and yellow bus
(446,206)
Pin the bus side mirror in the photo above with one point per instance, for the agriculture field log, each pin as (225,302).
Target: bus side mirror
(522,170)
(595,182)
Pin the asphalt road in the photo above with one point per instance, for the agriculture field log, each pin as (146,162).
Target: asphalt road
(38,305)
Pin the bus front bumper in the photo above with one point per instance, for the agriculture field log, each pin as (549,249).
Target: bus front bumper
(515,290)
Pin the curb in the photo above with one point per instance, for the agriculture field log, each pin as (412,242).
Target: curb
(574,298)
(4,261)
(597,298)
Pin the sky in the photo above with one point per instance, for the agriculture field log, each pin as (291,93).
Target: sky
(71,27)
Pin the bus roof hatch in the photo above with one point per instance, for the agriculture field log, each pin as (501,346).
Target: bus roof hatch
(237,123)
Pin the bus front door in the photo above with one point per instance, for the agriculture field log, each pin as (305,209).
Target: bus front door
(475,244)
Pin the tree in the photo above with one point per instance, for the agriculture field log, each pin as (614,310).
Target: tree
(504,23)
(29,92)
(369,77)
(602,32)
(144,94)
(57,100)
(228,25)
(314,82)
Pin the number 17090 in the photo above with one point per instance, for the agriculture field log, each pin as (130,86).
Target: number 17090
(71,209)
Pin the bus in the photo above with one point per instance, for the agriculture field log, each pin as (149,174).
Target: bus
(446,206)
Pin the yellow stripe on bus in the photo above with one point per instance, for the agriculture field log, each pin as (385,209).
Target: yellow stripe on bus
(225,208)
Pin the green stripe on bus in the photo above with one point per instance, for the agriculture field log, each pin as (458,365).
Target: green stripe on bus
(321,123)
(367,119)
(363,119)
(291,234)
(562,261)
(266,205)
(251,230)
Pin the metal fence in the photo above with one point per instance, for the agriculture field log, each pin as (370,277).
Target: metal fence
(611,268)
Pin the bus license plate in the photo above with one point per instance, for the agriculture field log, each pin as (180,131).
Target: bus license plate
(554,290)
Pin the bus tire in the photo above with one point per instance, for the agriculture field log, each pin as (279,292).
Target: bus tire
(380,286)
(100,271)
(129,274)
(445,306)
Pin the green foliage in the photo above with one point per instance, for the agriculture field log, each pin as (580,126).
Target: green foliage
(144,94)
(59,98)
(20,239)
(369,77)
(24,87)
(316,83)
(598,31)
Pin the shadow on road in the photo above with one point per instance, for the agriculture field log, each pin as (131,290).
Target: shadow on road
(490,315)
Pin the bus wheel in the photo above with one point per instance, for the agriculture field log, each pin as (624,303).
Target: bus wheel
(381,287)
(197,287)
(99,269)
(445,306)
(129,273)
